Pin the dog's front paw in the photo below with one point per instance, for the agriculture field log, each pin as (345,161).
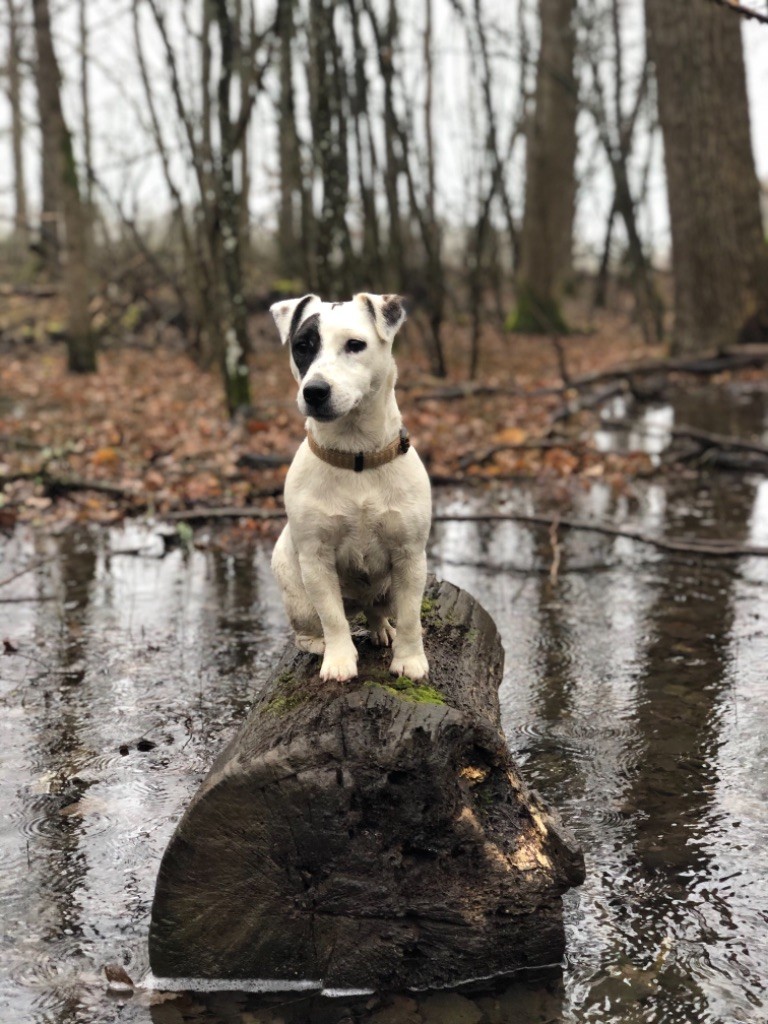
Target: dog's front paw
(415,666)
(339,664)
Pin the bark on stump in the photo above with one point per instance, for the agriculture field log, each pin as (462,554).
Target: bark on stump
(369,834)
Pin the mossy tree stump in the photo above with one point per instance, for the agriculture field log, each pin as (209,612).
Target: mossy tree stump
(369,834)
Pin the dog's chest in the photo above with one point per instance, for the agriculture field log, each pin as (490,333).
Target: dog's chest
(362,548)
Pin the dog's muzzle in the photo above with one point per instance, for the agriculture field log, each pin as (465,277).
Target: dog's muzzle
(317,393)
(317,400)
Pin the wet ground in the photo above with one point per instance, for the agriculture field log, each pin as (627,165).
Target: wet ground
(635,699)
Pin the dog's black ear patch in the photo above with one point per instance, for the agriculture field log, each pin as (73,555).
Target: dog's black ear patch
(386,311)
(392,310)
(306,343)
(288,313)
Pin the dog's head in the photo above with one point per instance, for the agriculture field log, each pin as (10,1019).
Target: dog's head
(340,351)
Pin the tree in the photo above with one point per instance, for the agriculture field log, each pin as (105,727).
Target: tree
(13,71)
(212,232)
(61,173)
(720,258)
(294,243)
(616,116)
(550,187)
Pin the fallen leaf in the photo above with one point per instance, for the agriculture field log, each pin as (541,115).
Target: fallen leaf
(118,979)
(511,435)
(106,457)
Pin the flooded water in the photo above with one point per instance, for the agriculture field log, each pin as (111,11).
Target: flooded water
(635,699)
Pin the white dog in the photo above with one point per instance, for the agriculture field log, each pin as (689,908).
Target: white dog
(357,495)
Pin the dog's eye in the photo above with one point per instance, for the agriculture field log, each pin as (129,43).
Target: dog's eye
(354,345)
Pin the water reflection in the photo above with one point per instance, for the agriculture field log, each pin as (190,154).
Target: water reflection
(733,409)
(634,697)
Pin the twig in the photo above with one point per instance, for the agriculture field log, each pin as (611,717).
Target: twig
(557,344)
(745,12)
(555,544)
(53,485)
(29,568)
(64,485)
(590,402)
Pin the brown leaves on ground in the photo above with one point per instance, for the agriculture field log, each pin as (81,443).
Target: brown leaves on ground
(149,432)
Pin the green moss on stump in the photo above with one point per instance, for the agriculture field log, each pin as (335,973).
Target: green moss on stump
(286,697)
(406,689)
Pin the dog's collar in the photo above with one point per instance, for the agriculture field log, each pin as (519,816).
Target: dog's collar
(358,461)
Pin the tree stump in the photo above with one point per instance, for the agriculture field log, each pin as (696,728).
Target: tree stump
(372,834)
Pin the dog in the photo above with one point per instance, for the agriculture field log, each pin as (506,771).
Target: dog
(357,494)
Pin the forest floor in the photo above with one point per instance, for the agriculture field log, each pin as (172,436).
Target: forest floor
(149,433)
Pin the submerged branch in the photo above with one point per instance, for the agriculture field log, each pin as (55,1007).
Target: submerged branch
(713,547)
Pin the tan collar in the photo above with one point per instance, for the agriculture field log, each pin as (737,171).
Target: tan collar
(358,461)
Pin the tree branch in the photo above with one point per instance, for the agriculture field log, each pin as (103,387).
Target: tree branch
(745,12)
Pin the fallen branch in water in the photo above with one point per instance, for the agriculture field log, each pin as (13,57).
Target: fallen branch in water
(688,545)
(685,433)
(708,365)
(29,568)
(587,403)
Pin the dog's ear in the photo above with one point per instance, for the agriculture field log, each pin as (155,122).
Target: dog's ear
(288,314)
(386,311)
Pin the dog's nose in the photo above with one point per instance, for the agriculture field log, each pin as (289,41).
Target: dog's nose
(316,392)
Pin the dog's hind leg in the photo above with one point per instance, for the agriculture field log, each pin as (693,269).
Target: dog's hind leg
(381,629)
(299,609)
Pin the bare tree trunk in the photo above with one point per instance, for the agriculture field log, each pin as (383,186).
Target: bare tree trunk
(367,163)
(81,345)
(296,231)
(51,213)
(234,328)
(328,113)
(244,72)
(385,42)
(616,131)
(720,257)
(545,243)
(601,281)
(20,217)
(398,163)
(479,274)
(86,103)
